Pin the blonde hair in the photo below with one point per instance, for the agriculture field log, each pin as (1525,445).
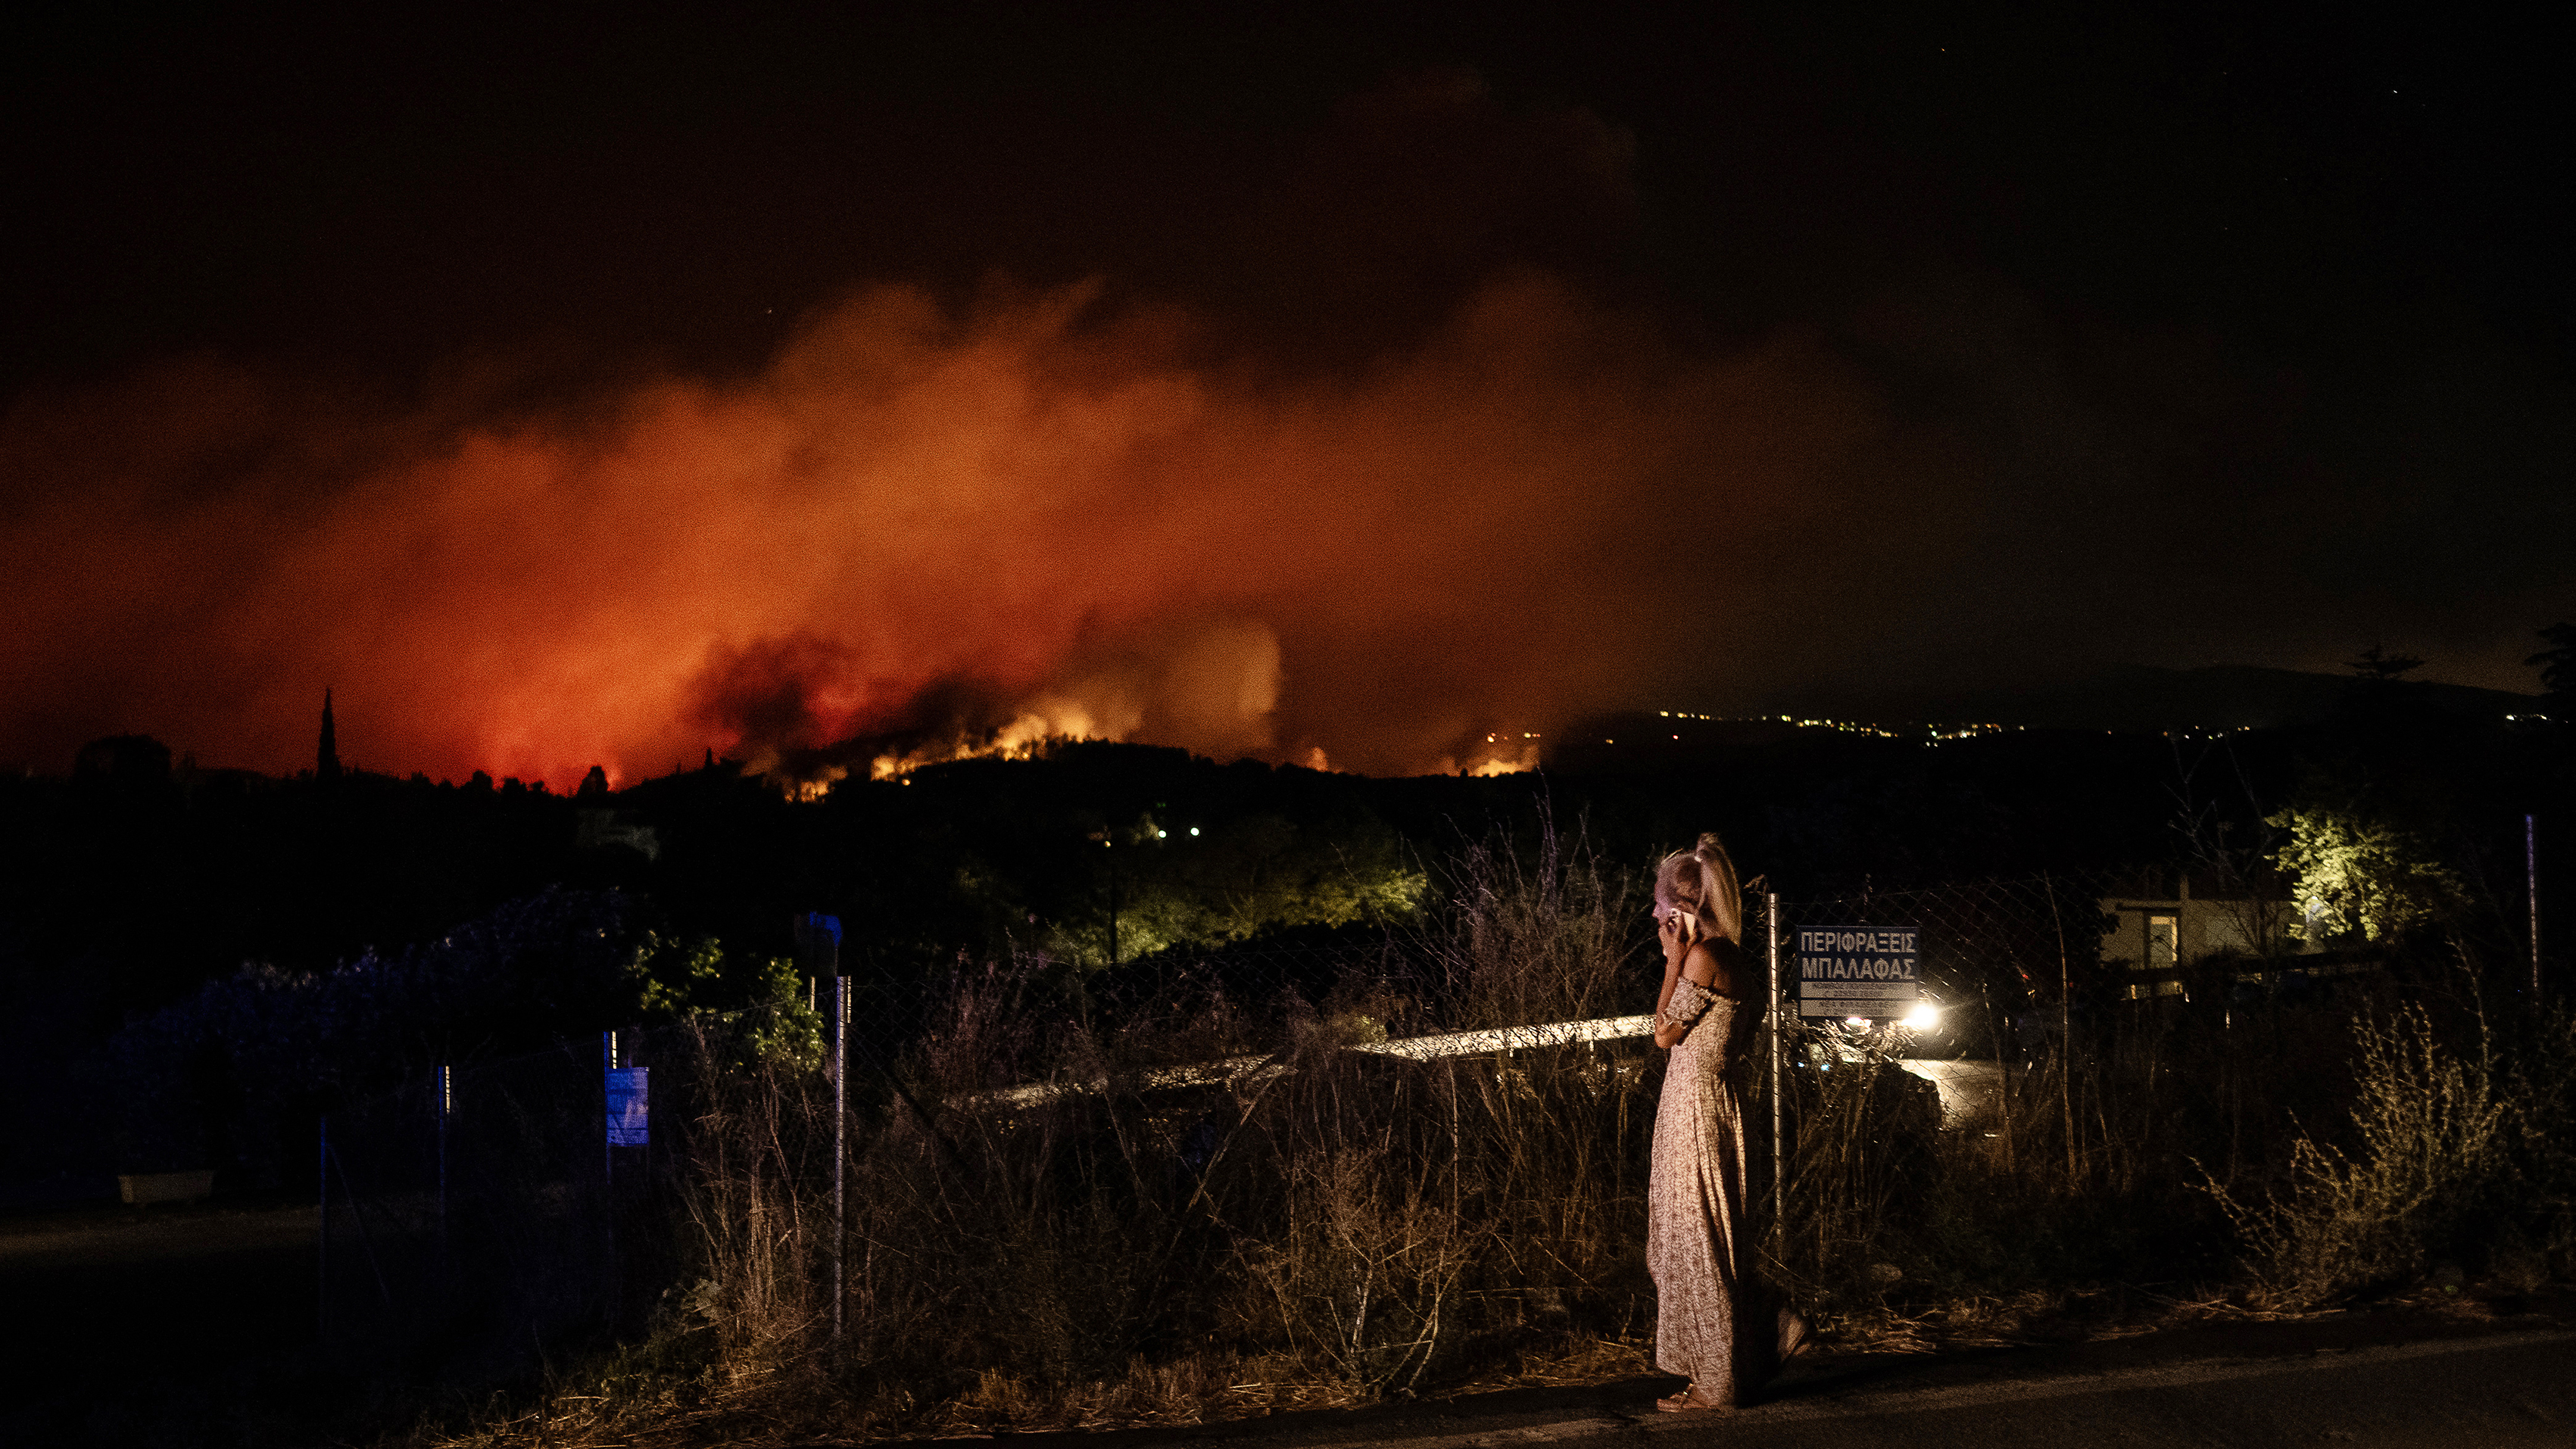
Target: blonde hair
(1701,881)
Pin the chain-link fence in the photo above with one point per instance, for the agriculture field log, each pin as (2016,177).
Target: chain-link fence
(2013,964)
(2091,1054)
(484,1215)
(1359,1146)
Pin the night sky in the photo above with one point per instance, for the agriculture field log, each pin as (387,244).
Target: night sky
(1332,384)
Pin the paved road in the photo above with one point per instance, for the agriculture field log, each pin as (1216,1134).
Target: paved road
(2519,1391)
(128,1325)
(147,1328)
(2335,1384)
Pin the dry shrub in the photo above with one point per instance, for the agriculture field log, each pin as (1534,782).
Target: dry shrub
(2538,1075)
(2434,1135)
(1364,1269)
(1039,1214)
(1400,1221)
(1049,1226)
(1038,1235)
(1146,1394)
(1565,1359)
(2079,1175)
(1857,1130)
(760,1137)
(1548,934)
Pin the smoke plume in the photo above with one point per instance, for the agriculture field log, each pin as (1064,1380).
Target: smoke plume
(1044,516)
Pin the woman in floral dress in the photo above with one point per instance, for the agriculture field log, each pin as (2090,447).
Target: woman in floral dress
(1708,1324)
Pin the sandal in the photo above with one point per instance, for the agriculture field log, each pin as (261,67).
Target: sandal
(1686,1402)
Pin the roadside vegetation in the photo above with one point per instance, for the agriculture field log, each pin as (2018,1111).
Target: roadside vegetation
(1048,1228)
(1125,1140)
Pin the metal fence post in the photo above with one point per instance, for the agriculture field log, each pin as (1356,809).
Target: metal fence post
(446,1087)
(1779,1184)
(322,1273)
(2531,888)
(840,1137)
(610,1284)
(2065,1024)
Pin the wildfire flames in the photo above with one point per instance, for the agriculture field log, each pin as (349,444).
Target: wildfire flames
(914,534)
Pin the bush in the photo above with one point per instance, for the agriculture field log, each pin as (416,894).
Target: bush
(1180,1198)
(233,1075)
(2433,1133)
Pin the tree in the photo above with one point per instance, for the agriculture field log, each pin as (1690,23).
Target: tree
(2379,666)
(2358,872)
(2558,662)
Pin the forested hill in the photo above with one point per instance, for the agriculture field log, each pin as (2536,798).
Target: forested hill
(123,886)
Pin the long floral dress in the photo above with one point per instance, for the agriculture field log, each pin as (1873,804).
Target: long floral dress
(1696,1235)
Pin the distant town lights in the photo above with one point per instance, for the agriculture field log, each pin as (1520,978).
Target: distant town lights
(1932,734)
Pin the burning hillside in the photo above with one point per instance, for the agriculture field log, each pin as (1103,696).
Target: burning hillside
(950,532)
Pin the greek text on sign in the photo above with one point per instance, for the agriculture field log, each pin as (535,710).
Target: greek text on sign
(629,1120)
(1857,970)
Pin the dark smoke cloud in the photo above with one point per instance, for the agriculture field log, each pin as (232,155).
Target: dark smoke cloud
(1067,520)
(1413,463)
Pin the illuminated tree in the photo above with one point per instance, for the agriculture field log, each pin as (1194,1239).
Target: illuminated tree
(1257,873)
(2356,871)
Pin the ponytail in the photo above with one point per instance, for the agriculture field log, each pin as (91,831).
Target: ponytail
(1701,881)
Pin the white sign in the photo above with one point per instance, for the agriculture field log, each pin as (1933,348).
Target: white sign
(1857,970)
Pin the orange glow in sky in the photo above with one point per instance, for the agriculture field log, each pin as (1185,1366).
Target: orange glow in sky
(1025,520)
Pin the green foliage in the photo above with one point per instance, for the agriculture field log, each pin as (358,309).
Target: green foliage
(1258,873)
(2358,872)
(675,978)
(673,975)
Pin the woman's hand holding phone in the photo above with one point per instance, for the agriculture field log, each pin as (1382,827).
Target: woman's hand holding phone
(1676,933)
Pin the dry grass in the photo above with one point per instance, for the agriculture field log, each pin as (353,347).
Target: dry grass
(2454,1150)
(1323,1231)
(1337,1227)
(2431,1128)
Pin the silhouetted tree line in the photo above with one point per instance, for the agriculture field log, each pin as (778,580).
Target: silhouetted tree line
(134,885)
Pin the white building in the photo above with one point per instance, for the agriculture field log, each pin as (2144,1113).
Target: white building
(2153,939)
